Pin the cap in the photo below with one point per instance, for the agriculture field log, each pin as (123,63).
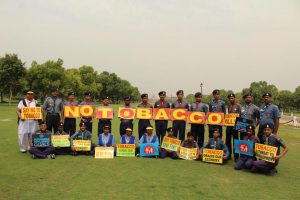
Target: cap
(87,94)
(105,97)
(267,126)
(190,134)
(128,129)
(247,95)
(216,91)
(231,95)
(198,94)
(81,124)
(179,92)
(170,129)
(106,126)
(127,98)
(267,95)
(149,127)
(54,89)
(42,122)
(60,124)
(251,127)
(29,92)
(144,95)
(216,130)
(162,93)
(71,93)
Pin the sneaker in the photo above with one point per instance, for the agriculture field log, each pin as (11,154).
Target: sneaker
(52,156)
(23,151)
(49,156)
(33,156)
(272,172)
(137,155)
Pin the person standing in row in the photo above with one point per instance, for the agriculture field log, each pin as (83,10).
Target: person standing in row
(87,121)
(231,133)
(52,110)
(70,123)
(198,129)
(161,125)
(216,106)
(104,122)
(143,123)
(126,123)
(26,127)
(179,125)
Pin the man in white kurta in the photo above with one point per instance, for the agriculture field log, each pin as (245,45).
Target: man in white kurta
(26,127)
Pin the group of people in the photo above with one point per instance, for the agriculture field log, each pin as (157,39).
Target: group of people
(266,117)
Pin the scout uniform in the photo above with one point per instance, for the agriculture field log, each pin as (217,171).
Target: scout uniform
(146,139)
(70,123)
(272,140)
(269,113)
(198,129)
(231,133)
(125,139)
(246,162)
(143,123)
(26,127)
(61,150)
(88,121)
(161,125)
(42,152)
(165,153)
(104,122)
(216,106)
(179,125)
(106,140)
(82,135)
(125,123)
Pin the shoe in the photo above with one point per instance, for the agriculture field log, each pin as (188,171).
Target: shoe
(49,156)
(23,151)
(52,156)
(33,156)
(137,155)
(272,172)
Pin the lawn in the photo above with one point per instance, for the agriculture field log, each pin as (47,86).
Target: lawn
(84,177)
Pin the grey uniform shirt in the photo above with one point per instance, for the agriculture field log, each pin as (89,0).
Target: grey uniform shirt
(251,112)
(217,106)
(234,108)
(269,114)
(53,105)
(161,104)
(199,107)
(275,141)
(141,105)
(180,105)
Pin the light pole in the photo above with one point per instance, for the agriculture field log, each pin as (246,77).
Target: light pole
(201,85)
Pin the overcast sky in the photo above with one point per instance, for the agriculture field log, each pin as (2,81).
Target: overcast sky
(162,44)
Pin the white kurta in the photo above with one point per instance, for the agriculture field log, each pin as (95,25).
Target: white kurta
(26,127)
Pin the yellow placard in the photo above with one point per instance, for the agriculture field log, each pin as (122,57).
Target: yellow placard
(60,140)
(104,152)
(188,153)
(170,143)
(82,145)
(265,152)
(28,113)
(230,119)
(213,156)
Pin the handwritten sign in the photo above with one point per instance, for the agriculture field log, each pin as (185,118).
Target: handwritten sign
(265,152)
(41,140)
(242,123)
(82,145)
(170,143)
(213,156)
(28,113)
(148,149)
(126,150)
(230,119)
(188,153)
(104,152)
(243,147)
(60,140)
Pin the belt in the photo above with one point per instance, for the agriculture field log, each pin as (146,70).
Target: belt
(52,113)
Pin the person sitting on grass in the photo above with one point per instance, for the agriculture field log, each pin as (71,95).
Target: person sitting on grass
(106,139)
(128,138)
(61,150)
(149,137)
(261,166)
(189,143)
(245,161)
(216,143)
(164,152)
(82,134)
(41,152)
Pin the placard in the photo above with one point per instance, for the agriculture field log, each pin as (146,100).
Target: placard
(82,145)
(149,149)
(230,119)
(104,152)
(265,152)
(126,150)
(144,113)
(60,140)
(244,147)
(41,140)
(126,113)
(28,113)
(215,118)
(170,143)
(196,117)
(242,123)
(188,153)
(161,114)
(213,156)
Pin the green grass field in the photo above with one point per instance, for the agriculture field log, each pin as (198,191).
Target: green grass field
(84,177)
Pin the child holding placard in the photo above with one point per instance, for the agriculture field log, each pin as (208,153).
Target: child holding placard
(189,143)
(82,134)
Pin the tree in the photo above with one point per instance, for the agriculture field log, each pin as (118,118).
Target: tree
(89,81)
(12,72)
(296,97)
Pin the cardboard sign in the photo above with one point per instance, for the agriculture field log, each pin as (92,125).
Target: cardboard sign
(170,143)
(188,153)
(178,114)
(230,119)
(71,111)
(149,149)
(126,150)
(86,111)
(28,113)
(82,145)
(144,113)
(104,113)
(213,156)
(265,152)
(161,114)
(242,123)
(41,140)
(243,147)
(215,118)
(60,140)
(126,113)
(196,117)
(104,152)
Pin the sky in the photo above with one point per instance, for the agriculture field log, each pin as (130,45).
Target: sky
(162,44)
